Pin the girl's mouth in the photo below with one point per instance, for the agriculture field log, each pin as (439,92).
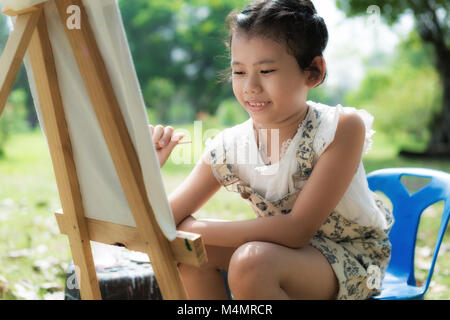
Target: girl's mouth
(258,106)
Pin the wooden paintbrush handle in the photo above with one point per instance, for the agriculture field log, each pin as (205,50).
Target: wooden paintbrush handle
(181,142)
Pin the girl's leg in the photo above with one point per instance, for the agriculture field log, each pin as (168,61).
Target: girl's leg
(206,282)
(262,270)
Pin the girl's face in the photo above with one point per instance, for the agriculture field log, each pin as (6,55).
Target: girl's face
(263,72)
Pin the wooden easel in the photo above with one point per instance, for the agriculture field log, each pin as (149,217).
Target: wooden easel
(30,33)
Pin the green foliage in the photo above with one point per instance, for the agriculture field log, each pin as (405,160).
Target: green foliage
(181,112)
(231,113)
(13,119)
(152,117)
(181,42)
(161,90)
(374,83)
(4,30)
(3,38)
(390,9)
(21,82)
(318,94)
(422,93)
(403,96)
(326,95)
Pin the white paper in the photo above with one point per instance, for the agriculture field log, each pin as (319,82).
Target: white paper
(103,197)
(20,4)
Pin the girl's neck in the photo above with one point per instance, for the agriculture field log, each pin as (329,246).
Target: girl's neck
(287,127)
(286,130)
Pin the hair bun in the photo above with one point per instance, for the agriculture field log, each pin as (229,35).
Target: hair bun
(306,6)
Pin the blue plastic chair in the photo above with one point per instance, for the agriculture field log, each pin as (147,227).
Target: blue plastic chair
(399,282)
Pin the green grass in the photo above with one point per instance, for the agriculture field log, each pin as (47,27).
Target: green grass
(33,254)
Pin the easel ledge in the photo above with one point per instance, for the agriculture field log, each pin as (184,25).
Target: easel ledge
(187,247)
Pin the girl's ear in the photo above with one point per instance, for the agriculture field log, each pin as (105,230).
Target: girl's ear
(316,72)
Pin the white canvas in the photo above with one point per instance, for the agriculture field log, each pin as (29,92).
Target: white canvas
(103,197)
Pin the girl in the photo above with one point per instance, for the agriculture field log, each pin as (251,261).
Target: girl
(320,233)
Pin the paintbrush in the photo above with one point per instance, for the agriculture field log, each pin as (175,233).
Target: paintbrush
(180,142)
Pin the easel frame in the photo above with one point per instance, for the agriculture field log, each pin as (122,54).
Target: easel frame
(31,33)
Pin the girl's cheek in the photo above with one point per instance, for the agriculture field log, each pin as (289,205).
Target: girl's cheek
(237,89)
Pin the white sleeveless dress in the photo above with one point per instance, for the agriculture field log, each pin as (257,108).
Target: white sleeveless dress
(274,181)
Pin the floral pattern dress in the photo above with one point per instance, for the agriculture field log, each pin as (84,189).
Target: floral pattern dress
(358,254)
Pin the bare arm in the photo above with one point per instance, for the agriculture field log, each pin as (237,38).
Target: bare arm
(327,184)
(194,191)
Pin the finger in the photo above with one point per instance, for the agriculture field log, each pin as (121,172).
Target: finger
(165,139)
(174,141)
(151,128)
(177,137)
(166,150)
(158,133)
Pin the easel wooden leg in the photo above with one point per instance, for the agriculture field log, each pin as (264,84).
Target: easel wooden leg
(116,135)
(44,71)
(15,49)
(123,154)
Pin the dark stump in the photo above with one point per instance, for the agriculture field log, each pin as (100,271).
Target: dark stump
(122,275)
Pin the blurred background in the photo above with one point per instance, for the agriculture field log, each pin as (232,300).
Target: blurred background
(391,58)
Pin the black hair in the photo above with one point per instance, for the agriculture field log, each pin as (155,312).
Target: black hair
(294,23)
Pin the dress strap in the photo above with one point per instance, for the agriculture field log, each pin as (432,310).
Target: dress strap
(305,152)
(224,170)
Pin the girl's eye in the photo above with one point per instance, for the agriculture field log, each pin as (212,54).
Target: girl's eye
(262,71)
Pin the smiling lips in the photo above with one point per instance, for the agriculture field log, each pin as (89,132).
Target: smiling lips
(257,105)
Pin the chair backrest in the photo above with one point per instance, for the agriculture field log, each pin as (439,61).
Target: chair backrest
(407,210)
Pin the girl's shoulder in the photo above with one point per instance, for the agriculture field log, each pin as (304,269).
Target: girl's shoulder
(328,122)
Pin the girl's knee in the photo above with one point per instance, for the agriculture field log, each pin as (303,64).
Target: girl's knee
(251,254)
(249,262)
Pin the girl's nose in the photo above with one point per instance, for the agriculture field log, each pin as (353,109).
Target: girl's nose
(252,86)
(252,90)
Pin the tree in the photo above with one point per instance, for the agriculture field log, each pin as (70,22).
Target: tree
(178,51)
(17,109)
(433,25)
(403,93)
(21,82)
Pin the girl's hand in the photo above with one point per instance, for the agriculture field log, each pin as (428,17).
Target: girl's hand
(164,141)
